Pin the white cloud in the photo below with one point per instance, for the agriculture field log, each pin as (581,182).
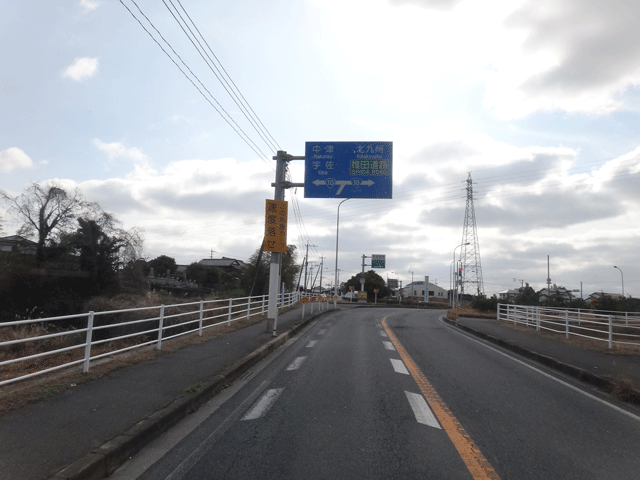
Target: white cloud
(118,150)
(81,69)
(522,56)
(12,159)
(89,5)
(566,55)
(190,206)
(528,204)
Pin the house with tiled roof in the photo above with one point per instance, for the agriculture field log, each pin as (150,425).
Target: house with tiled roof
(228,265)
(16,243)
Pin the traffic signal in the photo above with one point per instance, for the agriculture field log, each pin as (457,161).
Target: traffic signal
(460,272)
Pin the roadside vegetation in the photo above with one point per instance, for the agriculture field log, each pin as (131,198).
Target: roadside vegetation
(481,304)
(16,395)
(69,257)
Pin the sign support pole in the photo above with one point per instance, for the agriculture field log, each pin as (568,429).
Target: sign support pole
(276,258)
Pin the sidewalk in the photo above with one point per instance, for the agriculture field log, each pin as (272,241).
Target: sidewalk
(90,429)
(600,368)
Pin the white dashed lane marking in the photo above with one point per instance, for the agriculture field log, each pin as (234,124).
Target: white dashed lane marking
(264,404)
(297,363)
(398,366)
(311,343)
(388,345)
(421,410)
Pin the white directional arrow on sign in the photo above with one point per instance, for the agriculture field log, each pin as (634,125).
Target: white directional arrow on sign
(342,183)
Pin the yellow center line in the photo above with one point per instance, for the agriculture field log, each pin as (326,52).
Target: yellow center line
(471,455)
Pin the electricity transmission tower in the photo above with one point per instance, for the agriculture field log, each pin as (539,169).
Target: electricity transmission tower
(470,254)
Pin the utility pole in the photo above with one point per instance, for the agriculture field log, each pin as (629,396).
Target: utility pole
(321,267)
(306,263)
(300,275)
(276,258)
(305,270)
(280,184)
(548,282)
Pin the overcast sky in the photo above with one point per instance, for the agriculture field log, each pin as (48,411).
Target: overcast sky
(538,99)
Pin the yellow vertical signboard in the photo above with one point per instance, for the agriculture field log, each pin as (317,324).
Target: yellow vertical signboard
(275,226)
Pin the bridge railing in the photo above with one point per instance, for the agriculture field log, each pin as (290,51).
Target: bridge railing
(39,346)
(614,328)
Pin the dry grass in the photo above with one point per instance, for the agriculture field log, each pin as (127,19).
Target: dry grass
(187,311)
(625,391)
(466,311)
(24,392)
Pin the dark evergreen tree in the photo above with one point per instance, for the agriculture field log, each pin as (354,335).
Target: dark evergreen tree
(371,281)
(161,264)
(260,270)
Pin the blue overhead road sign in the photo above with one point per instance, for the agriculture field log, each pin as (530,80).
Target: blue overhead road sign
(348,170)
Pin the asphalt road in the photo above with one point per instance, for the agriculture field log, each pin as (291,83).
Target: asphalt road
(393,393)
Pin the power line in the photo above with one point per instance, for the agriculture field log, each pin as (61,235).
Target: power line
(254,147)
(230,79)
(223,82)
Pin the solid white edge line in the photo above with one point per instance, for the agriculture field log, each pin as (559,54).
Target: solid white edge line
(562,382)
(389,346)
(297,363)
(398,366)
(264,404)
(421,410)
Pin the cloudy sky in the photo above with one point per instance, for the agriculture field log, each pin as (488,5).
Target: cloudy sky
(538,99)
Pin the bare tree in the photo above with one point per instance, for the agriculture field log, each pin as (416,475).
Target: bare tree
(131,241)
(44,210)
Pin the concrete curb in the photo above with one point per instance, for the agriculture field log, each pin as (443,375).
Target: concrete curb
(583,375)
(104,460)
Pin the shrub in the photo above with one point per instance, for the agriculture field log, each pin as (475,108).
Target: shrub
(484,304)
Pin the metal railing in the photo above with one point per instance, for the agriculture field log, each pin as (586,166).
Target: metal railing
(44,345)
(621,328)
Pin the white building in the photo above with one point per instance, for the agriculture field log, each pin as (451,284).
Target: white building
(507,295)
(555,292)
(417,290)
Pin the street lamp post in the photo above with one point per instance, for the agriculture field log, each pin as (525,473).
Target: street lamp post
(451,278)
(398,290)
(336,286)
(412,286)
(454,276)
(622,279)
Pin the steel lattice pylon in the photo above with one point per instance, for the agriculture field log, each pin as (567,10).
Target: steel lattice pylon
(470,254)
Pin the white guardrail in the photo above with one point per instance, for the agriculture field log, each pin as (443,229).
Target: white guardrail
(622,328)
(40,346)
